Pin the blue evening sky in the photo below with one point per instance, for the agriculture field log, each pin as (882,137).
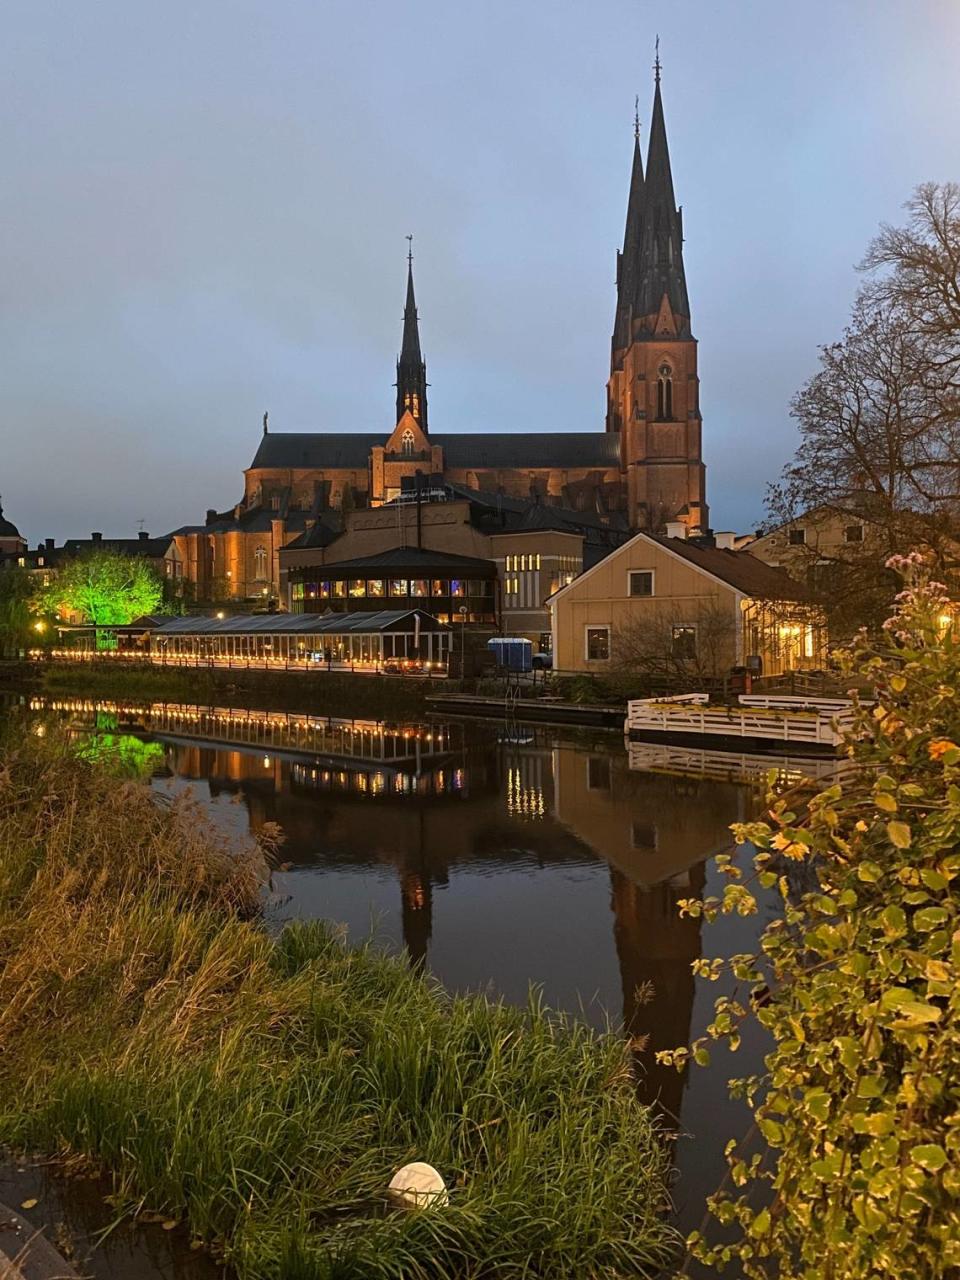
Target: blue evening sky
(205,207)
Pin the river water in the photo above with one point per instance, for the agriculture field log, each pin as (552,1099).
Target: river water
(500,855)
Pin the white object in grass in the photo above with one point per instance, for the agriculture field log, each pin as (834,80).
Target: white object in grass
(417,1186)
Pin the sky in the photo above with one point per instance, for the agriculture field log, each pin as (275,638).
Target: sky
(205,207)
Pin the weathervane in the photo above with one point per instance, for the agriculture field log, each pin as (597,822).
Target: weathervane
(636,117)
(265,427)
(410,250)
(656,60)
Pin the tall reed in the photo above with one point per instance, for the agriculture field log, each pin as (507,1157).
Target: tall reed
(263,1090)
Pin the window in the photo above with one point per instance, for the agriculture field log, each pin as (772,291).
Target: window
(407,443)
(853,533)
(641,582)
(439,587)
(398,586)
(419,587)
(797,537)
(260,564)
(546,642)
(598,644)
(374,586)
(456,587)
(684,642)
(358,587)
(665,393)
(643,835)
(339,590)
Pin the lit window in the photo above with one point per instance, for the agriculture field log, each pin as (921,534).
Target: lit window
(260,564)
(439,587)
(598,644)
(398,586)
(684,642)
(641,582)
(419,587)
(358,587)
(537,558)
(374,586)
(456,587)
(407,443)
(665,393)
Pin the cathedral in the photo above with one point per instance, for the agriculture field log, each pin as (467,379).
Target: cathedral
(642,471)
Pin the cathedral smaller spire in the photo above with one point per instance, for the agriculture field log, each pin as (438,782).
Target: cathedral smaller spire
(411,367)
(628,260)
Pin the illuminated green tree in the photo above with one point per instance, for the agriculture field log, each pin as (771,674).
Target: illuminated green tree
(105,588)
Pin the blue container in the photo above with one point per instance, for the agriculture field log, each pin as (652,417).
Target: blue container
(512,653)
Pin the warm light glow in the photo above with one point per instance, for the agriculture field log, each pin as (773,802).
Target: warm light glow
(40,626)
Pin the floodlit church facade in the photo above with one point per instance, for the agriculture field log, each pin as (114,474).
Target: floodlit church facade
(642,471)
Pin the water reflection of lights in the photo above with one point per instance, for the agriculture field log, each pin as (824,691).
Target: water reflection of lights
(523,800)
(373,783)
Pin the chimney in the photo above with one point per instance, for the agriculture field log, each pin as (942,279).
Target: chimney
(143,536)
(677,529)
(96,537)
(726,541)
(211,515)
(48,543)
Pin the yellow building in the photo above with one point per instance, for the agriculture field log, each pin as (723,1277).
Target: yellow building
(670,606)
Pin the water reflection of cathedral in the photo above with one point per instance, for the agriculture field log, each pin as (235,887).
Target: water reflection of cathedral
(430,799)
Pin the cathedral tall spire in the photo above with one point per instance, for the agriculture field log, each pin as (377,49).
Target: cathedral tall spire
(411,367)
(628,260)
(660,270)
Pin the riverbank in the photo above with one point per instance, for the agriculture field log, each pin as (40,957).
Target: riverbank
(263,1091)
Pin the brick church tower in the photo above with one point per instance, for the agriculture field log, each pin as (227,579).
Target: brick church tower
(653,392)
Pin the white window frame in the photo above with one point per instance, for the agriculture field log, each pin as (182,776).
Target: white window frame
(653,584)
(595,626)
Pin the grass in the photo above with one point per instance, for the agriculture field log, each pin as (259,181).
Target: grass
(264,1090)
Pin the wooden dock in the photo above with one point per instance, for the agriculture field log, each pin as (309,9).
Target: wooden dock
(544,710)
(776,723)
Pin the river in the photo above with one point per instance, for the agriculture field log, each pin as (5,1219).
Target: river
(502,856)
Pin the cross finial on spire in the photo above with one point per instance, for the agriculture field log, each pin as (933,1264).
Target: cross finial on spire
(409,249)
(656,61)
(636,117)
(266,417)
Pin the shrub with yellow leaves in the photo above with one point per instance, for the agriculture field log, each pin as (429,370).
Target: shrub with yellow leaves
(857,985)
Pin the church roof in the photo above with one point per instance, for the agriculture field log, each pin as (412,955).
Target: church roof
(415,558)
(468,450)
(7,528)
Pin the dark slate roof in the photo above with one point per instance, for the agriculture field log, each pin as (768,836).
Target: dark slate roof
(415,558)
(153,548)
(299,623)
(316,449)
(469,449)
(7,528)
(320,535)
(739,569)
(478,451)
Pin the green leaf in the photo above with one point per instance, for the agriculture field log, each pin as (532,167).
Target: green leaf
(900,834)
(869,872)
(885,801)
(929,1155)
(930,918)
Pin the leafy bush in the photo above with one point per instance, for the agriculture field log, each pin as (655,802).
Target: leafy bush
(859,986)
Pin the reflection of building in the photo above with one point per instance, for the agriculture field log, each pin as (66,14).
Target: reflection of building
(655,949)
(673,606)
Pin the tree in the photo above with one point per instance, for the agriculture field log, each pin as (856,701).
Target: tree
(856,981)
(692,648)
(105,588)
(17,592)
(880,420)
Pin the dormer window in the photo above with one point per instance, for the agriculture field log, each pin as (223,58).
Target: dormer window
(407,443)
(665,393)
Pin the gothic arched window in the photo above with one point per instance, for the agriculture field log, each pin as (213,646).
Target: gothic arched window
(665,393)
(406,443)
(260,564)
